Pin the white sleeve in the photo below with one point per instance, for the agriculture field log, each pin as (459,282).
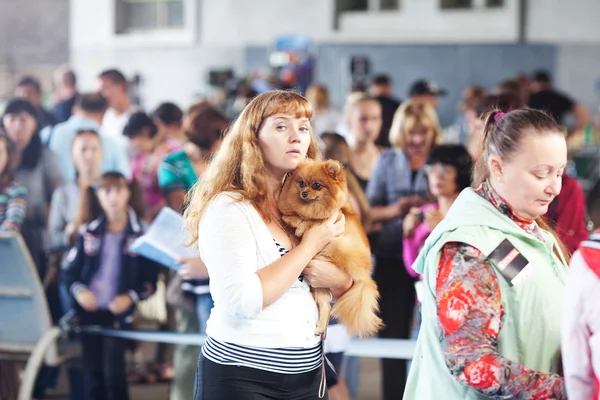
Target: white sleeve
(575,337)
(228,248)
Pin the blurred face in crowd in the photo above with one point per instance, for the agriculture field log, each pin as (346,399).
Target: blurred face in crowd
(283,141)
(29,93)
(380,89)
(364,121)
(114,199)
(532,177)
(419,140)
(20,128)
(142,142)
(87,154)
(442,179)
(112,92)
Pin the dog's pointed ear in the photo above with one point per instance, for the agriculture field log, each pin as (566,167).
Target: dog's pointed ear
(334,169)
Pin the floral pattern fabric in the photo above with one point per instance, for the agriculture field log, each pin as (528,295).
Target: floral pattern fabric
(470,316)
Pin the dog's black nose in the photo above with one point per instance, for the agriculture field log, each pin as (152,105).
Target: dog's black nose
(304,195)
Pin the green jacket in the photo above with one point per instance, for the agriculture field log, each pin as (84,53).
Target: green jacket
(530,330)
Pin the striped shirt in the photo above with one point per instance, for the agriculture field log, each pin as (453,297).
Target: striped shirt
(278,360)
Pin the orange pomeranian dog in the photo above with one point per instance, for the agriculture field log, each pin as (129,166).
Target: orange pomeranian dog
(310,195)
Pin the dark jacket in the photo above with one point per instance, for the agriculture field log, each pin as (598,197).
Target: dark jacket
(138,274)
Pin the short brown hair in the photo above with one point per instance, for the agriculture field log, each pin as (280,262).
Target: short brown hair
(204,125)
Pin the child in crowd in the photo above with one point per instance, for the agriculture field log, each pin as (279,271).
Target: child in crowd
(12,194)
(106,279)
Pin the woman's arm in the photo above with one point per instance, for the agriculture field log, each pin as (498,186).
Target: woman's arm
(470,316)
(228,248)
(15,208)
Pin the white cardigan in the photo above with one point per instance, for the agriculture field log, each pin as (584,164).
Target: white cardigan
(234,243)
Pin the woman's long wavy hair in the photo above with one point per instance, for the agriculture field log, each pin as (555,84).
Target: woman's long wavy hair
(238,164)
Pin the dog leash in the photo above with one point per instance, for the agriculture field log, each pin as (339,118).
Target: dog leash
(323,383)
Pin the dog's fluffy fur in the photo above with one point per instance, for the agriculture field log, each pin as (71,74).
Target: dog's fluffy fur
(310,195)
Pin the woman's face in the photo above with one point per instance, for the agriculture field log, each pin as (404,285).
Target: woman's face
(3,155)
(20,128)
(419,140)
(533,177)
(284,140)
(365,121)
(87,153)
(114,199)
(442,179)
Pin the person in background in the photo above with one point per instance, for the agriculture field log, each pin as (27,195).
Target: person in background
(398,184)
(325,118)
(514,89)
(580,325)
(381,89)
(261,333)
(13,199)
(151,147)
(494,273)
(30,89)
(504,101)
(364,123)
(567,214)
(106,279)
(347,369)
(65,89)
(37,169)
(86,153)
(204,126)
(546,98)
(113,86)
(471,97)
(448,169)
(13,195)
(168,119)
(87,116)
(426,91)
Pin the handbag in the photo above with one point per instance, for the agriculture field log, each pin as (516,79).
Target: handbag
(154,308)
(177,298)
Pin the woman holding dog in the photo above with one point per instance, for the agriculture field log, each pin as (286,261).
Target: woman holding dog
(261,342)
(398,183)
(494,273)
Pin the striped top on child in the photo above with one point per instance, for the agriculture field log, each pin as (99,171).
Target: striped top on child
(12,206)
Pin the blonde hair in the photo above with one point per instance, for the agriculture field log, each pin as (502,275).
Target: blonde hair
(238,164)
(410,114)
(353,100)
(318,96)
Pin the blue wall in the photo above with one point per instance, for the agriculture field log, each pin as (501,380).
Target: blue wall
(453,67)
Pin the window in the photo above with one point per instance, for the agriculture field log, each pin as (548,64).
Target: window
(455,4)
(470,4)
(494,3)
(389,4)
(143,15)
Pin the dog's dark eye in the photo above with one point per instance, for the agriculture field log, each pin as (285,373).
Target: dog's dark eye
(316,186)
(302,184)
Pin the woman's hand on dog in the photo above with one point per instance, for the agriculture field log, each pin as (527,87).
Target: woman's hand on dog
(322,273)
(318,236)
